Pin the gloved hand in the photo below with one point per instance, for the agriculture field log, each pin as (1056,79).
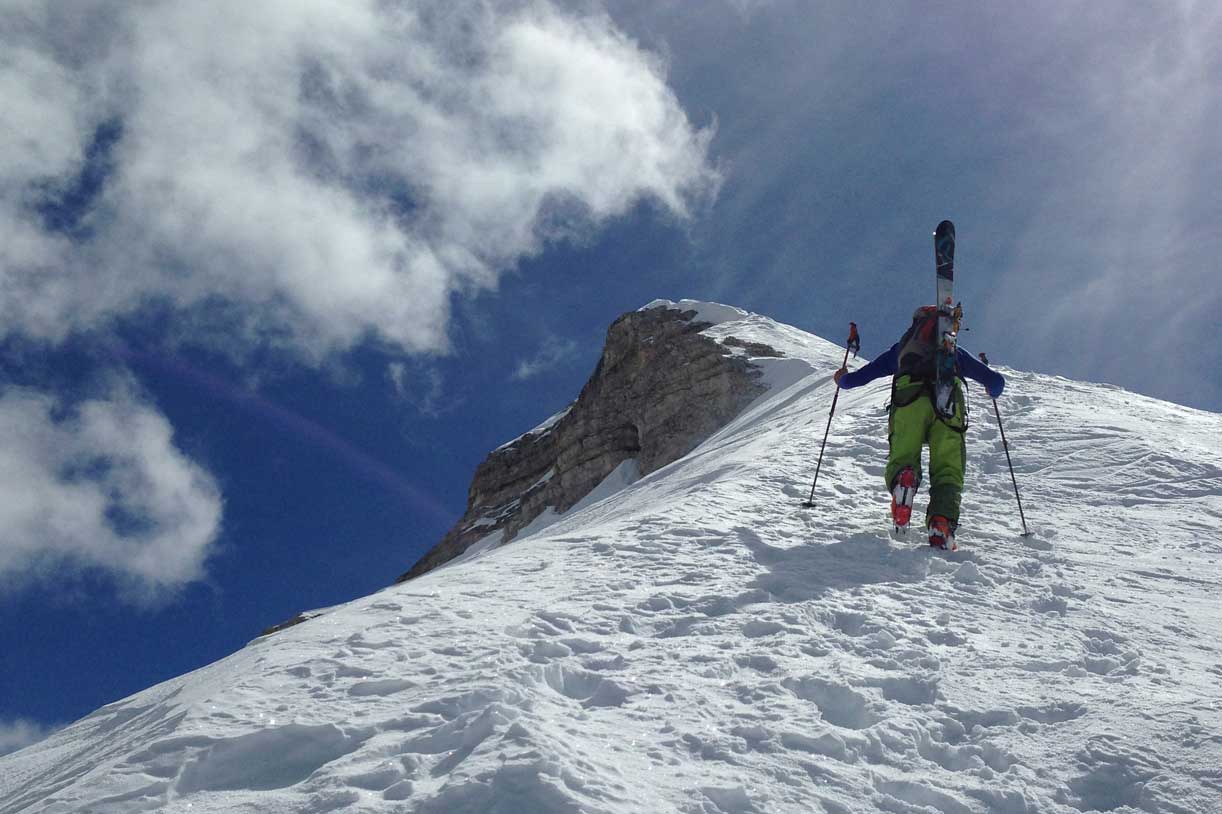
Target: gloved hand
(995,390)
(836,376)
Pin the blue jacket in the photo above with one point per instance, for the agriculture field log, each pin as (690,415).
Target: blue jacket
(888,364)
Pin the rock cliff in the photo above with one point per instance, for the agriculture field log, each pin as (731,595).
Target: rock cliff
(659,389)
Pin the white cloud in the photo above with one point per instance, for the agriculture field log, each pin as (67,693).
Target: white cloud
(20,733)
(554,352)
(102,487)
(334,168)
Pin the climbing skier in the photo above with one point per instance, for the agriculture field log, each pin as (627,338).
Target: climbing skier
(914,421)
(854,343)
(983,358)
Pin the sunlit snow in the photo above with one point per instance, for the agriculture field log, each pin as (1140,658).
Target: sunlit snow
(696,641)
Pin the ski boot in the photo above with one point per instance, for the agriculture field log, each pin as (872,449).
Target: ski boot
(941,534)
(902,493)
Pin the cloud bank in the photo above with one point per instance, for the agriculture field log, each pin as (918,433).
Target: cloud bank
(1075,145)
(302,174)
(1119,250)
(320,171)
(101,487)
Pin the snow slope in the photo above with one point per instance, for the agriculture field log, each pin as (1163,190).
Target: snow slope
(698,642)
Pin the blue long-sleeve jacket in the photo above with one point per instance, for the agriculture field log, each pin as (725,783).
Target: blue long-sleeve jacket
(888,364)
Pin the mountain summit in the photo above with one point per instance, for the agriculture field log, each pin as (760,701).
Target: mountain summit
(663,384)
(687,637)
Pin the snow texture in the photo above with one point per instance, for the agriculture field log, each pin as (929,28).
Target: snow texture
(697,642)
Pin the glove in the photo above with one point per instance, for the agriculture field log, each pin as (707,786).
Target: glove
(836,376)
(996,389)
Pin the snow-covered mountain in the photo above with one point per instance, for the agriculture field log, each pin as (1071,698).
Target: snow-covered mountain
(696,641)
(662,385)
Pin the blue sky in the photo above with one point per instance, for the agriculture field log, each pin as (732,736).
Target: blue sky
(268,303)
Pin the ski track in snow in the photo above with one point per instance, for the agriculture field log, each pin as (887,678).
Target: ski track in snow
(699,643)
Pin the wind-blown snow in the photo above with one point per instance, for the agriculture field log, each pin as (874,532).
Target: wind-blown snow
(698,642)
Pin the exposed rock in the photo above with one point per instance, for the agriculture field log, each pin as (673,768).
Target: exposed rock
(753,348)
(660,388)
(296,620)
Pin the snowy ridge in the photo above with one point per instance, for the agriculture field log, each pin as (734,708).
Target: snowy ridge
(696,642)
(539,429)
(725,321)
(713,312)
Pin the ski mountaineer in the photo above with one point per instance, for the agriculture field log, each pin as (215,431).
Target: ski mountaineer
(854,343)
(914,421)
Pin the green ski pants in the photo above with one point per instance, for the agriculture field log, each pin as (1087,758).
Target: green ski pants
(911,426)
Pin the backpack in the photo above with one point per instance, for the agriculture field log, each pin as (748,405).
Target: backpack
(917,357)
(918,347)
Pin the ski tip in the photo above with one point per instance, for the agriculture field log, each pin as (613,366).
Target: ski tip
(944,227)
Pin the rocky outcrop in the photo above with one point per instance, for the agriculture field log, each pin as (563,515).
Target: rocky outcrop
(660,388)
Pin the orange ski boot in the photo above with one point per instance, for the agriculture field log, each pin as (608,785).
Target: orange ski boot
(941,535)
(902,493)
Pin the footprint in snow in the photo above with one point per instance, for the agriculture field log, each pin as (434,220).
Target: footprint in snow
(839,705)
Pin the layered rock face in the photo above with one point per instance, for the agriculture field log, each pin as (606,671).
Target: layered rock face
(660,388)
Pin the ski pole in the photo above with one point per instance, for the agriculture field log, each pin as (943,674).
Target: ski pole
(811,502)
(1010,464)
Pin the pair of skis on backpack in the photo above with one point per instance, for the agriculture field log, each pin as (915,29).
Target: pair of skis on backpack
(941,532)
(949,318)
